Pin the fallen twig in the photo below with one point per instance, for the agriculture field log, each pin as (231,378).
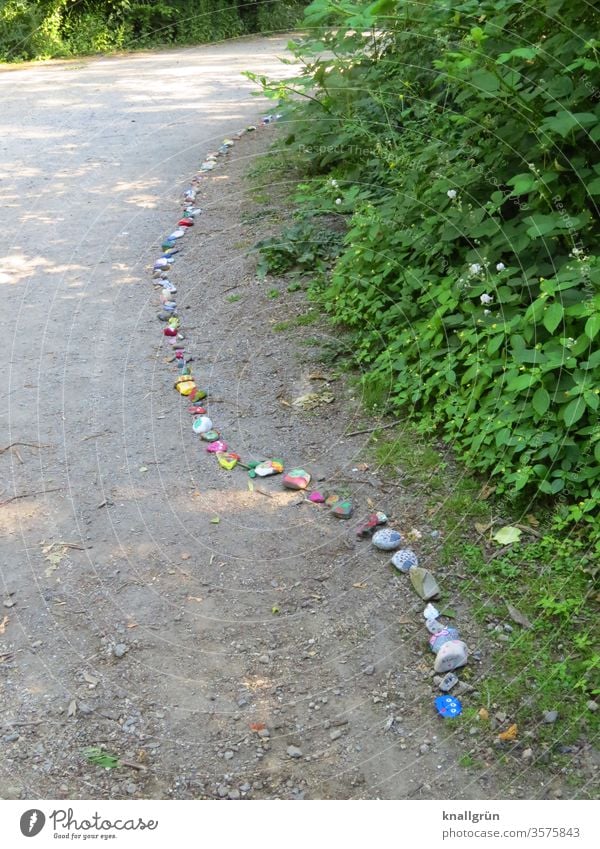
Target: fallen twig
(28,444)
(133,765)
(29,495)
(372,429)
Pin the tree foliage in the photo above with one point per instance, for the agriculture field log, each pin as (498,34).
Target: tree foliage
(38,29)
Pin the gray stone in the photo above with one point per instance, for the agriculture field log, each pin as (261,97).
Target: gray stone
(120,650)
(335,735)
(228,755)
(424,583)
(294,752)
(11,738)
(550,716)
(222,790)
(369,670)
(264,658)
(245,787)
(233,794)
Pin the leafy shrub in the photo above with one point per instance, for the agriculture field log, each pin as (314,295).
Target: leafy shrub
(34,29)
(461,142)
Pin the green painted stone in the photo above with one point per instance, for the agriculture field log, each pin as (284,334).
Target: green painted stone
(210,435)
(342,509)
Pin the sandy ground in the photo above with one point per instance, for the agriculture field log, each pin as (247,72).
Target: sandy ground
(274,627)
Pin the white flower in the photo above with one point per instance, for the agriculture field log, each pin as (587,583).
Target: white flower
(486,299)
(338,201)
(451,193)
(475,268)
(500,266)
(334,183)
(487,312)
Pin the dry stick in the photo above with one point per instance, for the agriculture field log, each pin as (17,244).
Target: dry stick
(133,765)
(28,495)
(372,429)
(28,444)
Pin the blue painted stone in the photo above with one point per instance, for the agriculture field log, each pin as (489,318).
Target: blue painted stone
(405,559)
(436,641)
(387,539)
(448,707)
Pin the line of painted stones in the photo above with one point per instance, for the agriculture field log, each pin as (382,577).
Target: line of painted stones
(450,651)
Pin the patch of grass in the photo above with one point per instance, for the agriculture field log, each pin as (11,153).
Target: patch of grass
(550,577)
(233,298)
(310,342)
(294,287)
(273,293)
(307,318)
(281,326)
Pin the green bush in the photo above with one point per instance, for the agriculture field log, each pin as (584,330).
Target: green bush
(460,143)
(39,29)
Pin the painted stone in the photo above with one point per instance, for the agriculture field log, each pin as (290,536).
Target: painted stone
(186,387)
(268,467)
(202,424)
(436,641)
(424,583)
(185,222)
(342,509)
(387,539)
(196,410)
(372,522)
(332,499)
(405,559)
(177,234)
(448,707)
(228,461)
(316,497)
(296,479)
(448,682)
(451,655)
(170,331)
(197,395)
(217,447)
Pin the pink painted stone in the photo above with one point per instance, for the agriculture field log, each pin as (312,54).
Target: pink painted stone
(218,447)
(296,479)
(316,497)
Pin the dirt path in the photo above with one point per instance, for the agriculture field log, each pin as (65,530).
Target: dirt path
(275,615)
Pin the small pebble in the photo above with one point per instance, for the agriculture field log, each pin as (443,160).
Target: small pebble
(294,752)
(369,670)
(550,716)
(120,650)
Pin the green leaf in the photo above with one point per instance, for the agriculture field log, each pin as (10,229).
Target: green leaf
(517,53)
(563,122)
(574,411)
(507,535)
(592,326)
(540,401)
(522,183)
(523,381)
(485,82)
(553,316)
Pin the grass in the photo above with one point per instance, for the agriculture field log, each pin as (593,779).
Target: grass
(233,298)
